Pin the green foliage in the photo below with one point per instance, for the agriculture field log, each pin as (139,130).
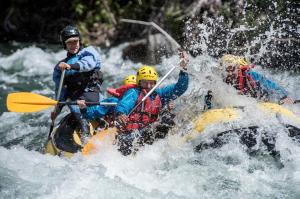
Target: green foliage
(92,12)
(175,19)
(80,9)
(106,13)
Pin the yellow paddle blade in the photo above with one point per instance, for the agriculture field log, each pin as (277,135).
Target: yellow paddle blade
(28,102)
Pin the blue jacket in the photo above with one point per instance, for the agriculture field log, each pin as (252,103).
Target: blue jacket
(99,111)
(87,58)
(166,94)
(130,97)
(267,85)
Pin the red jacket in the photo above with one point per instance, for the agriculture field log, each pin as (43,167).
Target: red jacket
(119,92)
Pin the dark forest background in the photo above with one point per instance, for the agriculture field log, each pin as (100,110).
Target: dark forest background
(40,21)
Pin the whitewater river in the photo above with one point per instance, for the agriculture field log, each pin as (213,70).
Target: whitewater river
(169,168)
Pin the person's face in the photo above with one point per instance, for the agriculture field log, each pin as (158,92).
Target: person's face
(231,74)
(73,45)
(147,84)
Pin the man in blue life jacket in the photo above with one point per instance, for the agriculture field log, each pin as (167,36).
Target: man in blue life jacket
(83,77)
(236,72)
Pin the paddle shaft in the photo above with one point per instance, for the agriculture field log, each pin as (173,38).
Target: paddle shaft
(61,81)
(89,103)
(60,84)
(154,25)
(153,89)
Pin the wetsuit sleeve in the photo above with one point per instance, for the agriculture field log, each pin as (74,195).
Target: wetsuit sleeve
(99,111)
(173,91)
(269,85)
(127,102)
(89,59)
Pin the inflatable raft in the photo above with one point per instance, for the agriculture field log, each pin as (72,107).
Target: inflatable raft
(273,118)
(65,139)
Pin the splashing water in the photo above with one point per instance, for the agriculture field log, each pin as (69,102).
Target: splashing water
(268,35)
(169,168)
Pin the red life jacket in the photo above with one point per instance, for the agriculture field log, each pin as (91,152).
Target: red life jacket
(246,83)
(119,92)
(146,113)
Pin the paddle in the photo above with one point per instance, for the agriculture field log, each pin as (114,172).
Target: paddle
(170,39)
(152,90)
(25,102)
(61,81)
(154,25)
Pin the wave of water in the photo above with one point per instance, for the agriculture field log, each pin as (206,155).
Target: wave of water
(167,169)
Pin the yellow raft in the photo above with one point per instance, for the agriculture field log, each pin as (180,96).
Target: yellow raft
(65,139)
(55,145)
(216,116)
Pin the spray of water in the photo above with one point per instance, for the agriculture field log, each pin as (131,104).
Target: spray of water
(170,168)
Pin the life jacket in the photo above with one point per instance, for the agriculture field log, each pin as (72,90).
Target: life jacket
(146,113)
(246,83)
(79,83)
(119,92)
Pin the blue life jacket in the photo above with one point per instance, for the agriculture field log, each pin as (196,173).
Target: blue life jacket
(83,83)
